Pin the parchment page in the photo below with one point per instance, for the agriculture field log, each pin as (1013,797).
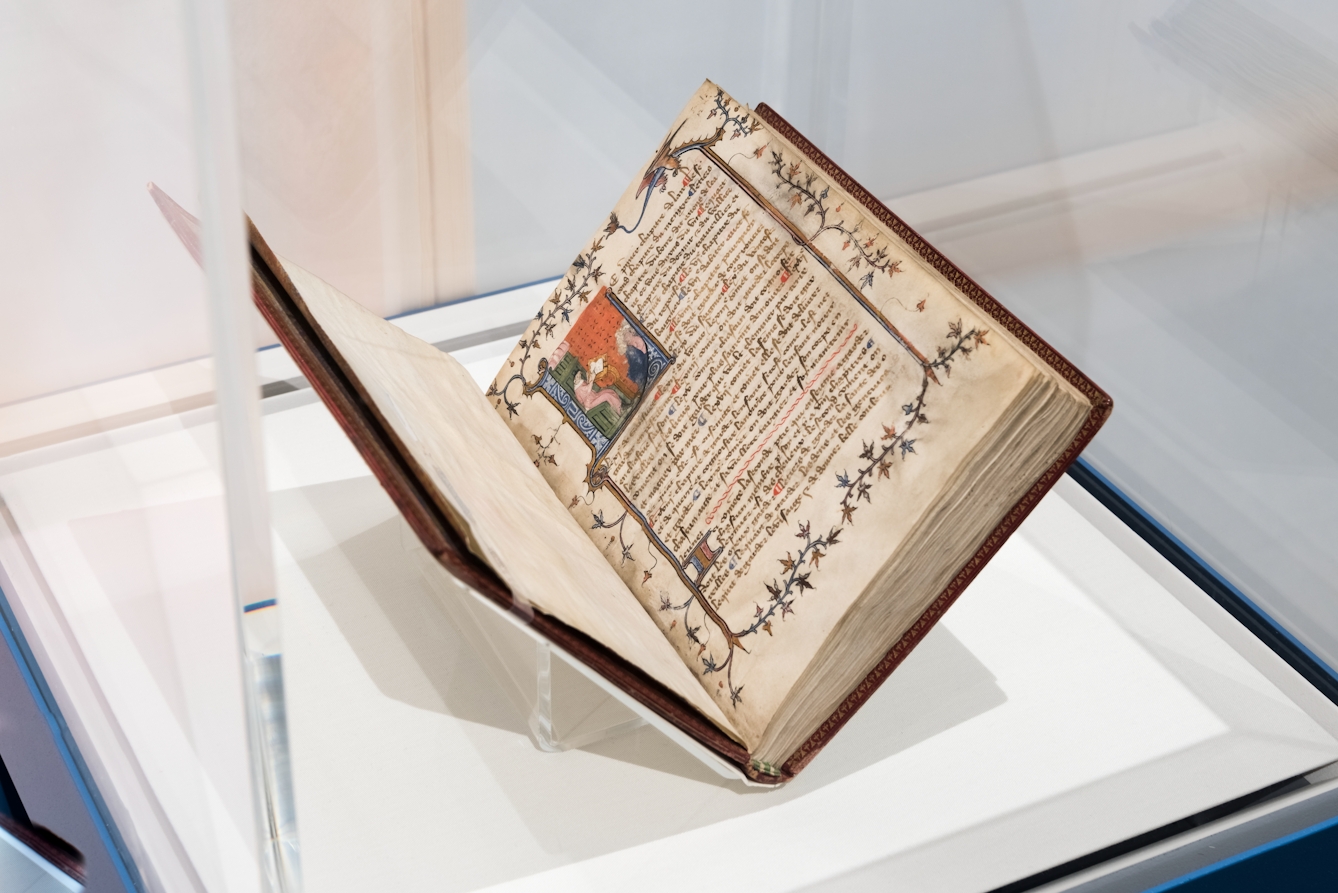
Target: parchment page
(508,513)
(746,394)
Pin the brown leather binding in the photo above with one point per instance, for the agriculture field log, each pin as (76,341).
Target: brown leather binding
(282,305)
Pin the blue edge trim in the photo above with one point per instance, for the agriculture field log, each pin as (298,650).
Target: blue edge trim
(1248,614)
(68,749)
(1287,646)
(1208,870)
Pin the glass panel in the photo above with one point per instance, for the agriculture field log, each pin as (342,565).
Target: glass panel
(117,533)
(1151,186)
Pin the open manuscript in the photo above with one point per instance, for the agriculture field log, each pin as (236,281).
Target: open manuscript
(753,445)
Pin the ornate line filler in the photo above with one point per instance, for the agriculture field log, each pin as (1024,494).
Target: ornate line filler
(780,423)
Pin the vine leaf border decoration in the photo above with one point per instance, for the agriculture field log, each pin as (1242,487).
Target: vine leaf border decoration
(601,524)
(586,274)
(797,569)
(801,187)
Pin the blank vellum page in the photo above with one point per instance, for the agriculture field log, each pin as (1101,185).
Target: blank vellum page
(505,509)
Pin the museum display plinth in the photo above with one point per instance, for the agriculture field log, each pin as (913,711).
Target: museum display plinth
(1081,693)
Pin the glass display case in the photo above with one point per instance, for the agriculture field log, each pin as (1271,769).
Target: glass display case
(135,551)
(265,682)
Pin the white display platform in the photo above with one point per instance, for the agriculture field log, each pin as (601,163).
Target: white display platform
(1081,692)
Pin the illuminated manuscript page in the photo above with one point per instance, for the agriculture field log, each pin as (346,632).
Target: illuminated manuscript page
(747,393)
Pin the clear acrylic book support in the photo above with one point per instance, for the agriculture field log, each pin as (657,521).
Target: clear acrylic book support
(566,705)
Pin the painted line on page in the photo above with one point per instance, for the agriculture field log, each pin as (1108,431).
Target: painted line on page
(780,423)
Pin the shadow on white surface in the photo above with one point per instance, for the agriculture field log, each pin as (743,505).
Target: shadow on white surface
(372,592)
(940,685)
(376,596)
